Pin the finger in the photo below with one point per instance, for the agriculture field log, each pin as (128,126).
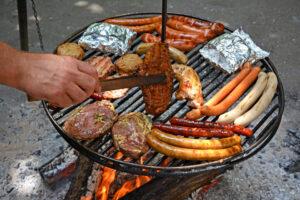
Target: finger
(86,83)
(62,101)
(76,93)
(87,69)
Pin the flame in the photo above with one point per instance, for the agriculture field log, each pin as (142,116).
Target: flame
(131,185)
(108,177)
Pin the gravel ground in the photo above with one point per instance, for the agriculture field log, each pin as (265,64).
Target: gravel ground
(27,139)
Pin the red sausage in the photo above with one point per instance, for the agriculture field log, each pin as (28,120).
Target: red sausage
(207,33)
(183,44)
(134,21)
(196,132)
(192,22)
(144,28)
(199,124)
(175,34)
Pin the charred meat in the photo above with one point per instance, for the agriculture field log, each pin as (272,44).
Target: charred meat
(158,96)
(129,134)
(91,121)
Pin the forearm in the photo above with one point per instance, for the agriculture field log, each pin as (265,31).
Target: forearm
(10,65)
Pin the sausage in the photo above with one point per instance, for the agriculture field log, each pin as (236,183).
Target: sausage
(194,114)
(175,34)
(134,21)
(221,94)
(177,55)
(233,96)
(190,143)
(207,33)
(194,131)
(192,21)
(144,28)
(206,124)
(248,101)
(183,44)
(191,154)
(97,96)
(262,103)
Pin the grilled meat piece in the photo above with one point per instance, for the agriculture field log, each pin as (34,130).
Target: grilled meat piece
(103,65)
(129,134)
(91,121)
(158,96)
(189,85)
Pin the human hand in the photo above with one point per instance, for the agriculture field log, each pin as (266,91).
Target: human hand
(60,80)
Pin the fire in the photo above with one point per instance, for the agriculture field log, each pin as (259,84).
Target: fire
(108,177)
(131,185)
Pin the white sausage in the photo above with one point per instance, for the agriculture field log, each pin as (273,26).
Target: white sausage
(248,101)
(262,103)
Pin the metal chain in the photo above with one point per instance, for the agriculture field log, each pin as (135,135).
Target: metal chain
(37,23)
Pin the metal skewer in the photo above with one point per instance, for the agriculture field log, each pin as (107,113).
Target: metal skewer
(164,20)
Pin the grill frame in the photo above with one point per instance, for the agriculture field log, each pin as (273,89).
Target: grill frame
(182,169)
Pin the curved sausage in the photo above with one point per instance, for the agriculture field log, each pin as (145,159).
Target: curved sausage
(221,94)
(191,154)
(175,34)
(207,33)
(196,143)
(206,124)
(183,45)
(144,28)
(247,101)
(134,21)
(175,54)
(192,131)
(233,96)
(262,103)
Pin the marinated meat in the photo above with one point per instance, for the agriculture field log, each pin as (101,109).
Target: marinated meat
(157,96)
(103,65)
(129,134)
(189,85)
(91,121)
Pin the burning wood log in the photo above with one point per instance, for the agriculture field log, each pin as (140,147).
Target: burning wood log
(62,166)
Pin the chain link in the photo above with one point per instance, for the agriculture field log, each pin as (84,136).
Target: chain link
(37,23)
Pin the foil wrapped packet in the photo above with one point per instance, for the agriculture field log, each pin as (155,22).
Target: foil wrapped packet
(231,50)
(108,38)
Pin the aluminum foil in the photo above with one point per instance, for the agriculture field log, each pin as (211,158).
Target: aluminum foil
(108,38)
(231,50)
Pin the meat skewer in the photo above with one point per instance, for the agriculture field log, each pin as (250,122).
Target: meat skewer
(200,124)
(158,96)
(195,132)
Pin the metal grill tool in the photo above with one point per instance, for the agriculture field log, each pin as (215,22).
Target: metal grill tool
(212,79)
